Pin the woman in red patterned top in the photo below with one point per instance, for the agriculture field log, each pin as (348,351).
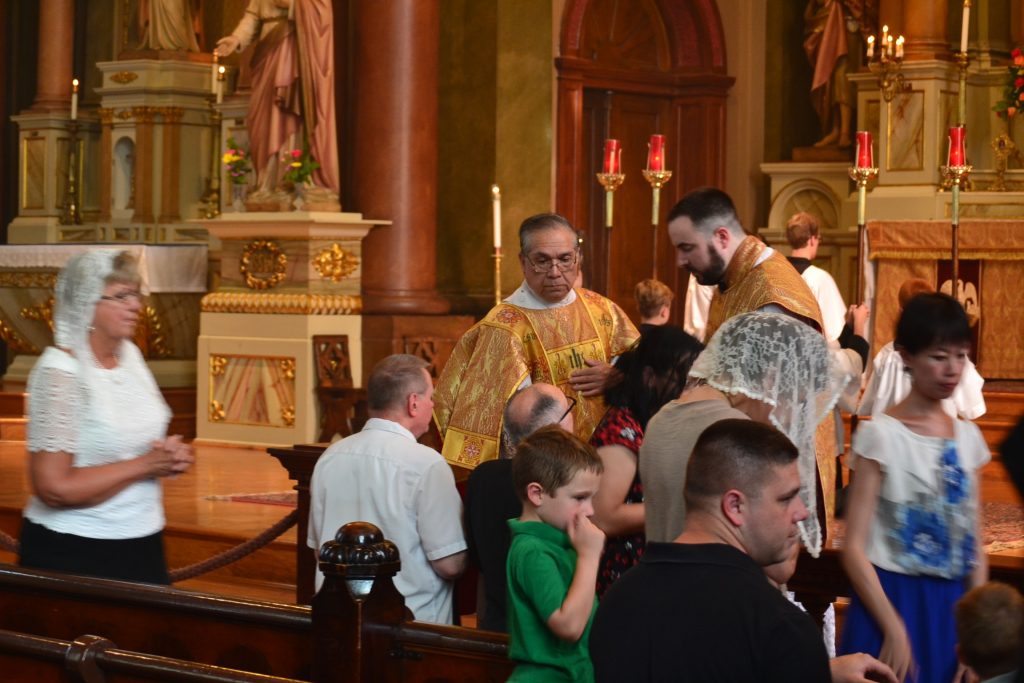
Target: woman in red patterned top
(654,373)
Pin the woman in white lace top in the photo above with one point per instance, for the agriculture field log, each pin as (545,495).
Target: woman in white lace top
(97,433)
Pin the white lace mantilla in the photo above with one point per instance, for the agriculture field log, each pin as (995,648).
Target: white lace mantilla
(785,363)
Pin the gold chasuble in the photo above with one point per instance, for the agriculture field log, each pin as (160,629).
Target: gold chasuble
(752,286)
(511,344)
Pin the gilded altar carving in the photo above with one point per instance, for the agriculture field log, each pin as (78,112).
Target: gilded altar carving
(124,77)
(216,411)
(27,280)
(252,390)
(288,416)
(288,368)
(217,365)
(301,303)
(263,264)
(151,337)
(15,342)
(41,313)
(335,263)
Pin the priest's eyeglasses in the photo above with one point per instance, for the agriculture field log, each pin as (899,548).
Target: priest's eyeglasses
(123,298)
(572,404)
(563,263)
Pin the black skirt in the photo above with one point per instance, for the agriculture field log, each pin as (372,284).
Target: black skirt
(129,559)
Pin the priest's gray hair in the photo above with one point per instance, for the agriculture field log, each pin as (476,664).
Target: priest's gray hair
(539,222)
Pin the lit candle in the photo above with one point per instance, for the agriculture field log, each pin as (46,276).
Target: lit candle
(871,47)
(957,141)
(74,99)
(965,26)
(899,48)
(656,153)
(220,84)
(496,207)
(213,74)
(889,46)
(885,35)
(865,153)
(612,156)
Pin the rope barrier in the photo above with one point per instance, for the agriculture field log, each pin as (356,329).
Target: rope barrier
(8,542)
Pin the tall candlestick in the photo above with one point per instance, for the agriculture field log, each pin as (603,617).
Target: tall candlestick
(220,84)
(612,156)
(656,153)
(74,99)
(965,26)
(213,73)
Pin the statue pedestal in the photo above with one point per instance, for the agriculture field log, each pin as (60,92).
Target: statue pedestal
(284,277)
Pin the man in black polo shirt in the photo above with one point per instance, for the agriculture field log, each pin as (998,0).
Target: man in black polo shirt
(701,608)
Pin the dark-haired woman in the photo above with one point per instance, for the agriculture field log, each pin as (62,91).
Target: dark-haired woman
(913,541)
(654,373)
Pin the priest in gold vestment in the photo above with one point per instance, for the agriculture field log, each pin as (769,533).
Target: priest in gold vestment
(543,332)
(750,276)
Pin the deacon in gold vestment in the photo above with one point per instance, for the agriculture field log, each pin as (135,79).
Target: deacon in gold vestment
(750,276)
(544,332)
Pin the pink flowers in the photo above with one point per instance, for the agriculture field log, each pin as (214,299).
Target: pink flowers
(1013,94)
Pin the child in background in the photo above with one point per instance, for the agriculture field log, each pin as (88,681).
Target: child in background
(990,629)
(889,383)
(913,538)
(552,563)
(654,301)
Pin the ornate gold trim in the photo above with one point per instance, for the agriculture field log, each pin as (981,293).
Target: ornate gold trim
(27,279)
(282,304)
(42,313)
(157,345)
(125,114)
(218,364)
(106,115)
(263,264)
(288,416)
(15,342)
(335,263)
(124,77)
(287,367)
(217,413)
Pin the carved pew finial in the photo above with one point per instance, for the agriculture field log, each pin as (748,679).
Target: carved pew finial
(357,593)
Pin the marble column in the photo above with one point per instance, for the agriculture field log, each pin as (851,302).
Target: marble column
(106,161)
(924,27)
(55,56)
(143,164)
(395,152)
(170,176)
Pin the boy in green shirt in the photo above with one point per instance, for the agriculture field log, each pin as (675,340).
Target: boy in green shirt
(553,559)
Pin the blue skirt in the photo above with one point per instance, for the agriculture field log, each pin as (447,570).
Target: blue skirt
(925,603)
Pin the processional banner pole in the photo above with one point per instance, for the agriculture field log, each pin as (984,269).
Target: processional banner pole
(862,172)
(657,175)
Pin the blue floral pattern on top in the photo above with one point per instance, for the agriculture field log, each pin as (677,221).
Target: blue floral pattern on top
(934,534)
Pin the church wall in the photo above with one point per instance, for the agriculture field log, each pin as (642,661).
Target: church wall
(495,122)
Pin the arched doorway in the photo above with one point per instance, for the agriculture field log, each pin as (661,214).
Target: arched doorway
(628,69)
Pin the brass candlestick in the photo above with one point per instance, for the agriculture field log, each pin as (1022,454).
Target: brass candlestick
(70,214)
(210,201)
(657,179)
(610,182)
(956,176)
(861,175)
(497,275)
(962,60)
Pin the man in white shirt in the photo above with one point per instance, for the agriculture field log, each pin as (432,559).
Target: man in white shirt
(804,236)
(383,476)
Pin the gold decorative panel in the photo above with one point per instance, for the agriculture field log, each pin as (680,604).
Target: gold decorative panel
(335,263)
(124,77)
(33,173)
(263,264)
(282,304)
(906,132)
(252,390)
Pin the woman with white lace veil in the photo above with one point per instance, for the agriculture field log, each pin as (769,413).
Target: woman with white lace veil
(97,433)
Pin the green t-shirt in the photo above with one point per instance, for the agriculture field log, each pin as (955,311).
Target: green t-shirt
(541,563)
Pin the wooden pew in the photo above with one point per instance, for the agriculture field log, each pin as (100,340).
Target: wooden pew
(358,628)
(91,659)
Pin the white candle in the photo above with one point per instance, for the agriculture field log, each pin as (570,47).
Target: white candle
(496,206)
(74,99)
(220,84)
(889,49)
(213,74)
(885,35)
(871,47)
(965,26)
(899,48)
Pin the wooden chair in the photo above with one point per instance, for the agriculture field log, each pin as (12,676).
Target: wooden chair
(342,406)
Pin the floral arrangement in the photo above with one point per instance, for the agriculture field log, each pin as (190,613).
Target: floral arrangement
(300,166)
(237,162)
(1013,96)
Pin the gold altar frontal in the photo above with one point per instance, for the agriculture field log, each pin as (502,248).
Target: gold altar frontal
(284,277)
(915,249)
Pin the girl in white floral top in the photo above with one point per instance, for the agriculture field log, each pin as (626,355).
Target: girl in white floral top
(913,534)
